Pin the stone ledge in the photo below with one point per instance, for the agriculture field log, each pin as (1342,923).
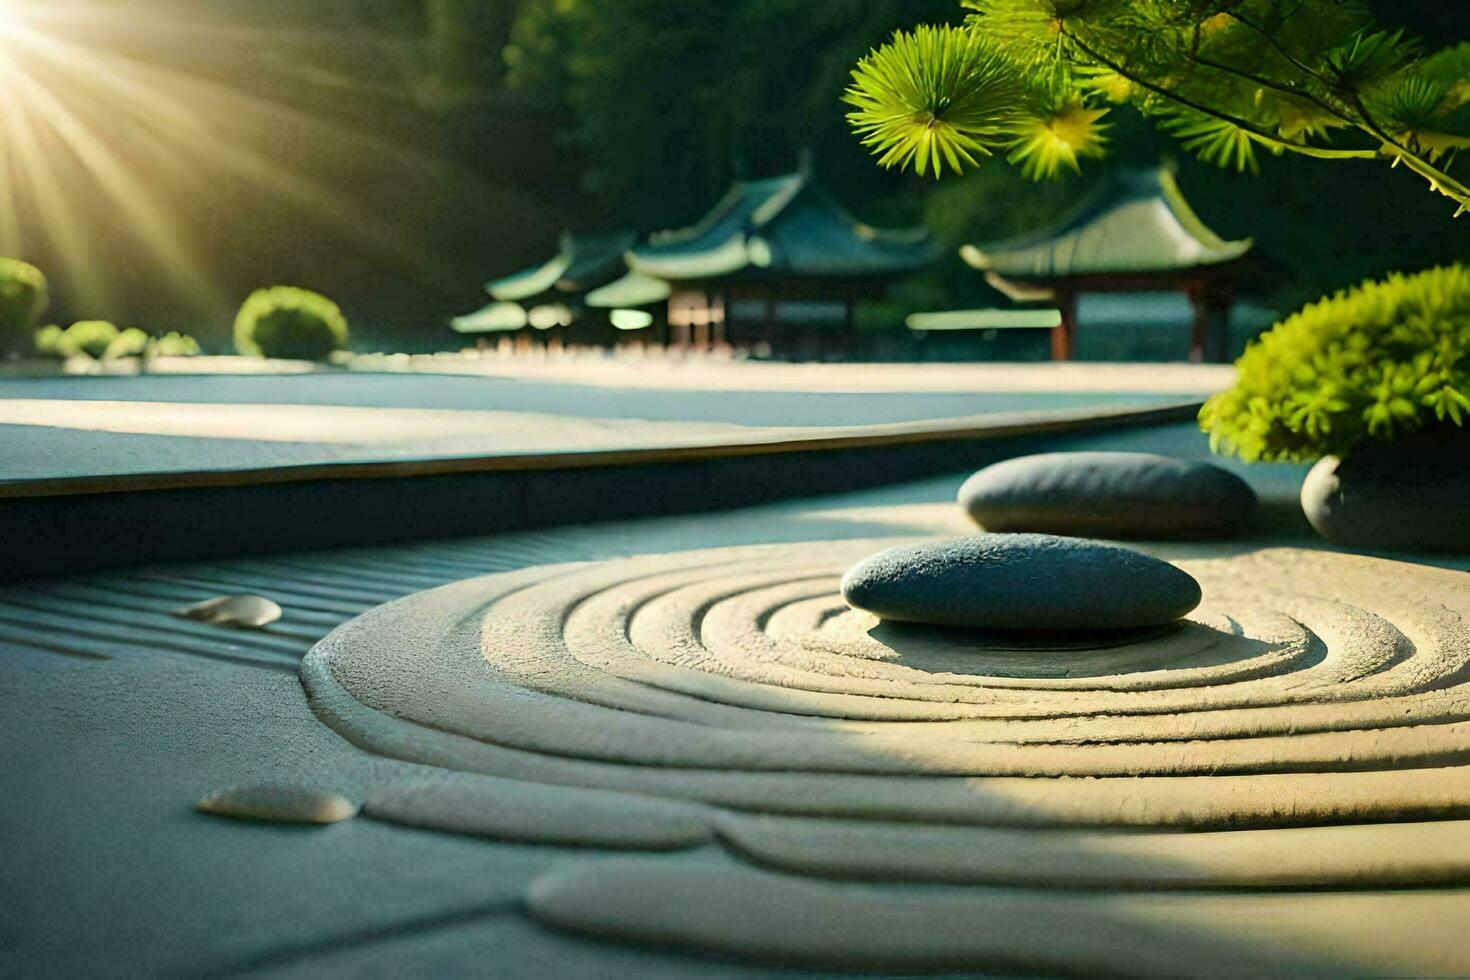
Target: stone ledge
(58,526)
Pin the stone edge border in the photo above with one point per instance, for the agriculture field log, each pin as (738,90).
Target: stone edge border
(65,526)
(963,428)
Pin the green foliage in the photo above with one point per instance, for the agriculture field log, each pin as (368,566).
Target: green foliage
(48,341)
(954,96)
(23,298)
(174,344)
(288,322)
(103,340)
(91,337)
(665,100)
(466,39)
(1227,77)
(1367,364)
(1214,141)
(131,342)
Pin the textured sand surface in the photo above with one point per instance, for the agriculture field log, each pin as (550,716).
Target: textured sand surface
(780,919)
(119,716)
(510,809)
(1310,689)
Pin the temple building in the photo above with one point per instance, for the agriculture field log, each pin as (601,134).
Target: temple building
(556,293)
(1134,234)
(776,262)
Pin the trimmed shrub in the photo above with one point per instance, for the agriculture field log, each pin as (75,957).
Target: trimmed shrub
(23,298)
(174,344)
(91,337)
(131,342)
(1368,364)
(48,341)
(287,322)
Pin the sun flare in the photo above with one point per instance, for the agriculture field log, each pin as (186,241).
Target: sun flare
(115,140)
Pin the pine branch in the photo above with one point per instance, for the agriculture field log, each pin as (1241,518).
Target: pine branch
(1274,85)
(1438,179)
(1014,66)
(1281,49)
(1245,125)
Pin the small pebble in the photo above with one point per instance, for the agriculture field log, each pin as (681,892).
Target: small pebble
(245,611)
(278,804)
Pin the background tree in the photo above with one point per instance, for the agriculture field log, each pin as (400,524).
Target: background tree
(668,99)
(1034,79)
(601,113)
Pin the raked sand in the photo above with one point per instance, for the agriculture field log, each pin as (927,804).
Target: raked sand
(776,779)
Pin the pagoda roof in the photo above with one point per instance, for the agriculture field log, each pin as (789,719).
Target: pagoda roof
(784,227)
(1136,223)
(630,292)
(582,263)
(500,316)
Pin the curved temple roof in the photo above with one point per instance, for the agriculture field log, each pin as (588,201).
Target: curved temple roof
(584,262)
(632,290)
(498,317)
(781,228)
(1137,222)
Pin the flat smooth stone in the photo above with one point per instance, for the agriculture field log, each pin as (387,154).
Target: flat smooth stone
(1109,495)
(278,804)
(1021,581)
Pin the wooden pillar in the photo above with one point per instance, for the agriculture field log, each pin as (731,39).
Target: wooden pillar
(1064,335)
(701,327)
(1199,330)
(720,336)
(849,330)
(1219,315)
(1209,331)
(769,327)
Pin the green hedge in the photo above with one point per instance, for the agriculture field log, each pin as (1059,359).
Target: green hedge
(287,322)
(131,342)
(92,337)
(103,340)
(23,298)
(48,341)
(174,344)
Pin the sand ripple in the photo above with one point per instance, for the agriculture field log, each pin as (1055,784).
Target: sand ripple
(1308,690)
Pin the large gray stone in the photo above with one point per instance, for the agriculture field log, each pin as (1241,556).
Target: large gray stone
(1023,582)
(1411,495)
(1110,495)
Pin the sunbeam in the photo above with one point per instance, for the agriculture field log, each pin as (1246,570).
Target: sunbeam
(102,147)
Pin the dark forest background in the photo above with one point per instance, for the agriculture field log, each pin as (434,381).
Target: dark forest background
(469,133)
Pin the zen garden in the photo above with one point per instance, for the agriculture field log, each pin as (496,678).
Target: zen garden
(735,488)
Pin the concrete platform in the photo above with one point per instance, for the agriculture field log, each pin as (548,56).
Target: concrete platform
(213,466)
(63,427)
